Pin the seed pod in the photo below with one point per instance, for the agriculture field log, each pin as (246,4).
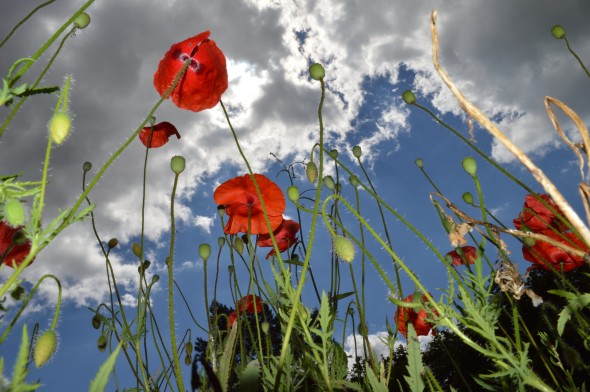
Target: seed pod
(82,20)
(357,152)
(558,32)
(177,164)
(86,166)
(205,251)
(113,242)
(45,347)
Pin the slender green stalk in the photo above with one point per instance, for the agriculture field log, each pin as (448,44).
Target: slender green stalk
(567,43)
(23,21)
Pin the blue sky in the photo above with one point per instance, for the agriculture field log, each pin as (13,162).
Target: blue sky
(501,54)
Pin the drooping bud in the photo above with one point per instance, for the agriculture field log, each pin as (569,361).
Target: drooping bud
(221,241)
(420,163)
(102,343)
(362,329)
(221,210)
(293,193)
(188,347)
(468,198)
(87,166)
(470,166)
(96,321)
(113,242)
(329,182)
(311,171)
(558,32)
(136,249)
(188,360)
(155,278)
(82,20)
(204,251)
(344,248)
(409,97)
(59,127)
(357,152)
(14,213)
(317,71)
(45,347)
(265,326)
(239,245)
(177,164)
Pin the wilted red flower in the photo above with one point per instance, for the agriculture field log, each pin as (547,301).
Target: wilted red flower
(160,135)
(417,319)
(546,256)
(241,202)
(285,236)
(469,254)
(12,254)
(537,217)
(205,79)
(246,304)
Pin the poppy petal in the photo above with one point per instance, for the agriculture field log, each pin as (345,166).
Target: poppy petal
(160,135)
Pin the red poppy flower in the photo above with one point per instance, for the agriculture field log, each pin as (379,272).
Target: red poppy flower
(546,256)
(12,254)
(417,319)
(241,202)
(160,135)
(469,254)
(285,236)
(246,304)
(205,79)
(537,217)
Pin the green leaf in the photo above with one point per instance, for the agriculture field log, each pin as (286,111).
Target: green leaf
(376,386)
(19,373)
(99,383)
(342,296)
(250,377)
(225,365)
(415,366)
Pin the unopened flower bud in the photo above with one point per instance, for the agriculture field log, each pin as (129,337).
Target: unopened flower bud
(86,166)
(230,269)
(470,166)
(265,326)
(409,97)
(113,242)
(362,329)
(239,245)
(204,251)
(468,198)
(293,193)
(329,183)
(188,347)
(357,152)
(354,181)
(14,213)
(136,249)
(96,321)
(82,20)
(344,248)
(155,278)
(317,71)
(177,164)
(102,343)
(311,171)
(221,210)
(558,32)
(152,120)
(187,360)
(45,347)
(59,127)
(221,241)
(334,153)
(420,163)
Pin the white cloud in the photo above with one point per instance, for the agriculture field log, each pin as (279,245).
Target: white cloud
(204,222)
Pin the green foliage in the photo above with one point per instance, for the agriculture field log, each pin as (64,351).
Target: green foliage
(415,366)
(99,383)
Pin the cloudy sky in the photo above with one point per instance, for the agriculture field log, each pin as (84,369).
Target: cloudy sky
(500,53)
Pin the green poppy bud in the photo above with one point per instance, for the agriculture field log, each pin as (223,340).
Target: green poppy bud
(17,293)
(187,360)
(468,198)
(239,245)
(420,163)
(354,181)
(409,97)
(329,183)
(334,153)
(204,251)
(188,347)
(155,278)
(221,210)
(60,126)
(311,171)
(230,269)
(558,32)
(470,166)
(14,213)
(293,193)
(221,241)
(265,326)
(317,71)
(102,343)
(45,347)
(86,166)
(96,321)
(362,329)
(136,249)
(177,164)
(82,20)
(113,242)
(357,152)
(344,248)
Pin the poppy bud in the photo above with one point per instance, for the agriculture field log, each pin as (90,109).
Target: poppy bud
(265,326)
(468,198)
(356,151)
(334,153)
(136,249)
(558,32)
(45,347)
(362,329)
(354,181)
(230,269)
(113,242)
(59,127)
(204,251)
(317,71)
(293,193)
(188,347)
(188,360)
(311,171)
(329,183)
(155,278)
(221,241)
(17,293)
(152,120)
(102,343)
(344,248)
(14,213)
(96,321)
(177,164)
(409,97)
(86,166)
(239,245)
(420,163)
(221,210)
(82,20)
(470,166)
